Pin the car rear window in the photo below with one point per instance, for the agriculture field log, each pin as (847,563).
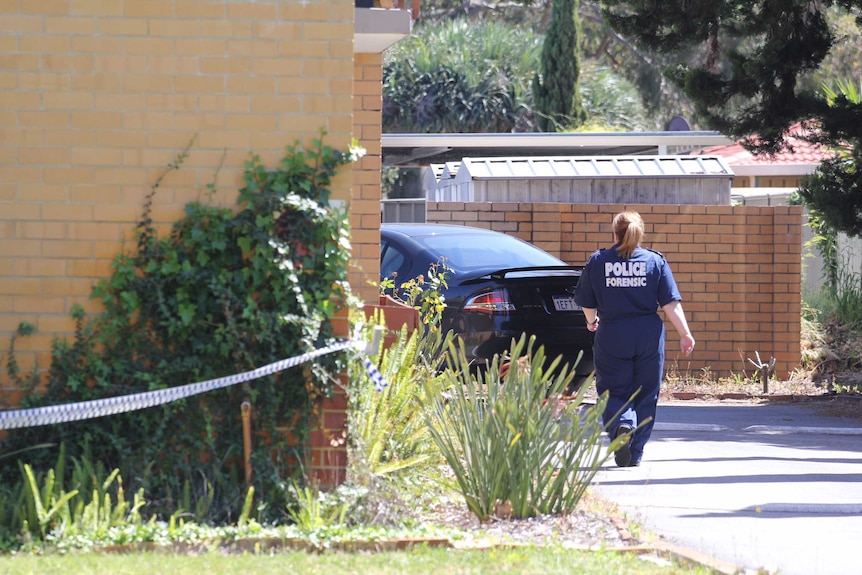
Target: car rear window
(480,251)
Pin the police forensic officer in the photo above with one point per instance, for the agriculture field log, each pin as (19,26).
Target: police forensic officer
(624,285)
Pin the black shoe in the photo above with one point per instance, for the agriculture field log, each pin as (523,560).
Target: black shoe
(623,454)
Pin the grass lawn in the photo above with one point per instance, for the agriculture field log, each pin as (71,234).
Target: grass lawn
(522,561)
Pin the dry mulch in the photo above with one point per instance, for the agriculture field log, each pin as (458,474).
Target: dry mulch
(595,524)
(827,404)
(829,381)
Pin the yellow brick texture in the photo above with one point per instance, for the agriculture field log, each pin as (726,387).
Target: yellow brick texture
(365,207)
(99,96)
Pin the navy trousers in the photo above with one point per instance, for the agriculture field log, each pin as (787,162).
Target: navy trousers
(629,361)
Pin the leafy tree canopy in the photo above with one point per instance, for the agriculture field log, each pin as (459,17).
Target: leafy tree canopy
(755,75)
(465,76)
(834,191)
(751,59)
(601,46)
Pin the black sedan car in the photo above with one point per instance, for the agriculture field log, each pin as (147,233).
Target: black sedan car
(498,288)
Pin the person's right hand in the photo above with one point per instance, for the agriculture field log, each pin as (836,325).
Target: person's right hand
(686,344)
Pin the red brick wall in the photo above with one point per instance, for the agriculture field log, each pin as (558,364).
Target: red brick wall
(327,460)
(738,269)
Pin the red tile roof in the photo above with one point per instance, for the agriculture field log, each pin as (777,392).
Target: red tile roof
(803,153)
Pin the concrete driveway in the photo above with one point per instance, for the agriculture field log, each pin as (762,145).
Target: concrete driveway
(772,487)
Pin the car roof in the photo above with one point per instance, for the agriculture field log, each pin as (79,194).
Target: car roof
(427,237)
(419,229)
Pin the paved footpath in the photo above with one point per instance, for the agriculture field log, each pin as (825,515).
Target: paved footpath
(772,487)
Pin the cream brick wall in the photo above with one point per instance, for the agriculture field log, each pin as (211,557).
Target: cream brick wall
(365,209)
(98,96)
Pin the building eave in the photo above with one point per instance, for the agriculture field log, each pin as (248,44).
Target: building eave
(424,149)
(376,29)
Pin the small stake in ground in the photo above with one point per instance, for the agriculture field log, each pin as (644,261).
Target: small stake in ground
(765,370)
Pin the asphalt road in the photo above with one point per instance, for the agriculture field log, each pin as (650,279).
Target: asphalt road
(772,487)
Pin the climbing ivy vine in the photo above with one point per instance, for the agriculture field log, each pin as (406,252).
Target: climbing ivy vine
(225,290)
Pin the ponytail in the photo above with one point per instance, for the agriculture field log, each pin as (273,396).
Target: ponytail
(628,231)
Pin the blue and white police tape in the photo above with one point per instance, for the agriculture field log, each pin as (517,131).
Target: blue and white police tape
(121,404)
(379,382)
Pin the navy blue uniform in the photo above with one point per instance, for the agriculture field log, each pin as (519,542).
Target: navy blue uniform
(628,348)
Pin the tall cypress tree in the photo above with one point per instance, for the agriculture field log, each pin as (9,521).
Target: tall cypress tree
(555,89)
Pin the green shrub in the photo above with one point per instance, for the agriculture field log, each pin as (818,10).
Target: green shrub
(228,289)
(460,77)
(391,453)
(847,299)
(841,302)
(514,446)
(314,509)
(423,293)
(48,505)
(12,498)
(387,427)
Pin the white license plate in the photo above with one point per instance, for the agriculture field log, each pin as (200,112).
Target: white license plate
(564,303)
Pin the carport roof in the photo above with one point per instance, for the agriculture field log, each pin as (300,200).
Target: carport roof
(561,167)
(425,149)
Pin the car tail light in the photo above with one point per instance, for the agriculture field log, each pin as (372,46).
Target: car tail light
(493,302)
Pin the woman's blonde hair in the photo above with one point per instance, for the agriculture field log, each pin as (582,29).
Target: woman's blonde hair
(628,231)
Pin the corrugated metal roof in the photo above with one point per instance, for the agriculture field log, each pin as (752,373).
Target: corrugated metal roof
(445,171)
(593,167)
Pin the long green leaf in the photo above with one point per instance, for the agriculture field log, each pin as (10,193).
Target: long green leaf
(505,441)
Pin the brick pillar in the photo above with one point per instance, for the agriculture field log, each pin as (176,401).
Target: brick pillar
(787,285)
(327,443)
(365,205)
